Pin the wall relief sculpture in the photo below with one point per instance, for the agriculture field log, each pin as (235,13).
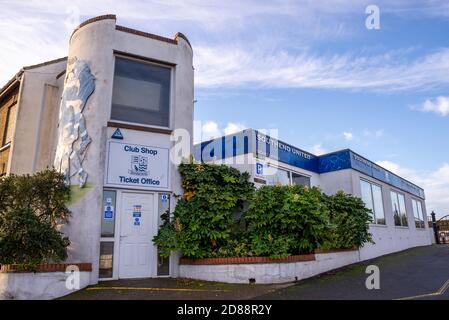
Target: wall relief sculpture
(73,139)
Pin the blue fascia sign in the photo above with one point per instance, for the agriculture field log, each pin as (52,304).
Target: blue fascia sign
(265,146)
(283,152)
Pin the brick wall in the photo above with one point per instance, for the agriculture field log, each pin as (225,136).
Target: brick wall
(5,104)
(4,154)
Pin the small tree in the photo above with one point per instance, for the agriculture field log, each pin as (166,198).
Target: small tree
(31,208)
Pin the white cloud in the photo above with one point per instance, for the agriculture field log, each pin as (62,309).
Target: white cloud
(317,149)
(439,105)
(232,66)
(348,136)
(233,127)
(211,130)
(39,26)
(435,184)
(373,133)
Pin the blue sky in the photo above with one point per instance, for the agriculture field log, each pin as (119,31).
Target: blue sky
(310,69)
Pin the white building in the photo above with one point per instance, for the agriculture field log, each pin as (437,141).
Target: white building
(106,115)
(398,205)
(65,113)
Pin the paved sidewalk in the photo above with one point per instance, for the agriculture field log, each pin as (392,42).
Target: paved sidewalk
(418,273)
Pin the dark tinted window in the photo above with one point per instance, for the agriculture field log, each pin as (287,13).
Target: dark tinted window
(141,93)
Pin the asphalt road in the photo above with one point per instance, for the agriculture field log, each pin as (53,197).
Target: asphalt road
(419,273)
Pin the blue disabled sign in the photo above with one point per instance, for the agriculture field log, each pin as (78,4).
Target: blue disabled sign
(109,212)
(117,134)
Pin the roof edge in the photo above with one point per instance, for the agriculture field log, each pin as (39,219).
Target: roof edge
(43,64)
(182,36)
(26,68)
(94,19)
(145,34)
(11,82)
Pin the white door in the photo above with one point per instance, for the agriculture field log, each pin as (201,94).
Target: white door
(136,236)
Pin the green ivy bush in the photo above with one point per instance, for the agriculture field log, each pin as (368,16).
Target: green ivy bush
(221,214)
(287,220)
(31,208)
(350,219)
(207,216)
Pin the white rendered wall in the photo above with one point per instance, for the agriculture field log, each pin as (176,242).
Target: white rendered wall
(331,182)
(37,286)
(37,112)
(390,238)
(95,43)
(265,273)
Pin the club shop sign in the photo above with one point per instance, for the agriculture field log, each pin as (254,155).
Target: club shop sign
(137,165)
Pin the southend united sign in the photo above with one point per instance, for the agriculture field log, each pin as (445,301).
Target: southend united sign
(269,147)
(137,165)
(264,146)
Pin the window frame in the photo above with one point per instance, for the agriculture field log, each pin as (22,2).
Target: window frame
(113,238)
(302,175)
(5,143)
(160,223)
(372,199)
(421,219)
(147,61)
(392,191)
(290,174)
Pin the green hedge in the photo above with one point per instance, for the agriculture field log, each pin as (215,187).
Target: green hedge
(31,208)
(221,214)
(286,220)
(349,218)
(207,216)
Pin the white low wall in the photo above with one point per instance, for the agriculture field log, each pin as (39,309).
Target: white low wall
(37,286)
(265,273)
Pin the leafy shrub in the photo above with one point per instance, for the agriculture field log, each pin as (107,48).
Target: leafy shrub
(207,215)
(350,219)
(286,220)
(26,240)
(31,208)
(221,214)
(45,193)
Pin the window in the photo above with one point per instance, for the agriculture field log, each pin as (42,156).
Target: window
(108,214)
(106,259)
(372,197)
(163,264)
(418,214)
(141,93)
(278,176)
(107,231)
(398,205)
(9,127)
(300,179)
